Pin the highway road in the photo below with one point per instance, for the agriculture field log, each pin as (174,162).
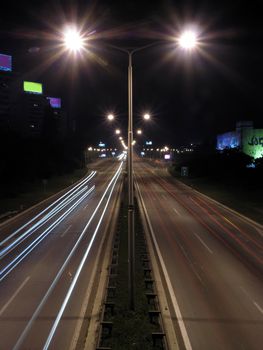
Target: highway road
(212,260)
(47,261)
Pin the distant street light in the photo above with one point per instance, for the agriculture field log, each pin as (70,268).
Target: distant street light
(110,117)
(139,131)
(146,116)
(117,131)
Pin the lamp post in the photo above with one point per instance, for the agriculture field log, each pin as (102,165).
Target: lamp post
(74,42)
(131,240)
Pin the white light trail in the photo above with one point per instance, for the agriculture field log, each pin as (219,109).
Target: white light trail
(41,222)
(77,274)
(84,181)
(52,286)
(40,238)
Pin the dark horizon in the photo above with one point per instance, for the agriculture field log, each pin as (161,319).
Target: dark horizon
(191,99)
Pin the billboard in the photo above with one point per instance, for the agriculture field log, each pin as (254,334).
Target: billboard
(5,63)
(228,140)
(55,102)
(252,141)
(33,88)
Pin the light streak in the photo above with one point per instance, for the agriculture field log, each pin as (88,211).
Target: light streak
(40,223)
(84,181)
(40,238)
(53,284)
(75,279)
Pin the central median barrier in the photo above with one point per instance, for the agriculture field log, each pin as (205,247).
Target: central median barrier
(118,327)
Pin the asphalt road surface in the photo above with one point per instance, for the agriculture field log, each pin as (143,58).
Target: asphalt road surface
(47,258)
(213,260)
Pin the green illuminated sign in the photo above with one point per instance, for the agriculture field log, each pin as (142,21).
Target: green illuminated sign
(34,88)
(253,142)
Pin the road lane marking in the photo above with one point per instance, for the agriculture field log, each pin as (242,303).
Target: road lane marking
(258,307)
(253,301)
(177,212)
(63,234)
(191,264)
(13,296)
(177,310)
(86,206)
(231,223)
(204,244)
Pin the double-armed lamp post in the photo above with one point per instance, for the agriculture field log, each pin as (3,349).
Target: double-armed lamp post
(75,42)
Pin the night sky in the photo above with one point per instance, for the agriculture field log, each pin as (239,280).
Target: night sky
(191,97)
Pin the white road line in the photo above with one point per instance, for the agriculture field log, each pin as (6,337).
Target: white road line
(13,296)
(253,301)
(258,307)
(191,264)
(206,246)
(177,310)
(63,234)
(176,211)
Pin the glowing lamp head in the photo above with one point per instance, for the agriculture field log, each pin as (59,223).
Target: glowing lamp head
(188,40)
(110,117)
(146,116)
(139,132)
(73,40)
(117,131)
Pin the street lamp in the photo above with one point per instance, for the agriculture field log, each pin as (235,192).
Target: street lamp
(139,131)
(188,40)
(146,116)
(110,117)
(117,131)
(74,41)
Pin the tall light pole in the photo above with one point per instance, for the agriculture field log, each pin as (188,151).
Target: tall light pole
(74,42)
(131,239)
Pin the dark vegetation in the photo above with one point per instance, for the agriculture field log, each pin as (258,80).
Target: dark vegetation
(37,158)
(225,177)
(31,165)
(229,166)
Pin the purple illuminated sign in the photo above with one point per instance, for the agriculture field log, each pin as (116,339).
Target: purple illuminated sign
(5,63)
(55,102)
(228,140)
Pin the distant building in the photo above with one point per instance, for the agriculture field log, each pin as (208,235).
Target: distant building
(5,99)
(24,108)
(29,114)
(245,138)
